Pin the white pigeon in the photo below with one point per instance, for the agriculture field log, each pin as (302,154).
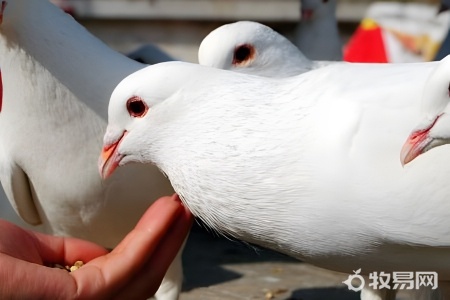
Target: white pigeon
(6,210)
(57,80)
(434,128)
(317,179)
(317,33)
(253,48)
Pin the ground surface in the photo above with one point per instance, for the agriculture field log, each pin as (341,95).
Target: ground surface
(217,268)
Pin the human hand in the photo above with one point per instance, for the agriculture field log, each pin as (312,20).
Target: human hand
(133,270)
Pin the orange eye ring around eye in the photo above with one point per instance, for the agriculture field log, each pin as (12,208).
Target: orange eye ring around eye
(243,54)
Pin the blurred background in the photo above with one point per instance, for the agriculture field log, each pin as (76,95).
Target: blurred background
(178,26)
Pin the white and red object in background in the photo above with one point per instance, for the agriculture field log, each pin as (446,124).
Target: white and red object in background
(397,33)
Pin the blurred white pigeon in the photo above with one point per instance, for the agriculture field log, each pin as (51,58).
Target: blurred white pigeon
(253,48)
(8,213)
(57,80)
(317,34)
(6,210)
(434,128)
(325,170)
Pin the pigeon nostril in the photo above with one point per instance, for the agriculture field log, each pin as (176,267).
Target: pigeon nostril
(136,107)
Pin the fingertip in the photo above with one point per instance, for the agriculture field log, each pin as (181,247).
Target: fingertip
(166,202)
(170,202)
(164,208)
(187,212)
(176,198)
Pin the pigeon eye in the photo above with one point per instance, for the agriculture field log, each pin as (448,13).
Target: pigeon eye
(449,89)
(136,107)
(242,54)
(324,1)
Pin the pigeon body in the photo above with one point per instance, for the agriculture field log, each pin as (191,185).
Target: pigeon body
(306,165)
(57,79)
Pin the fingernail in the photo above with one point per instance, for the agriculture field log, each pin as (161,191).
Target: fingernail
(176,197)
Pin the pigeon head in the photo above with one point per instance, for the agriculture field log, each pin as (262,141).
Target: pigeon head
(434,128)
(131,112)
(252,48)
(310,9)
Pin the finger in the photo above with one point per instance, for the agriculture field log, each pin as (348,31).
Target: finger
(98,279)
(148,279)
(18,242)
(21,262)
(44,249)
(111,272)
(65,250)
(36,281)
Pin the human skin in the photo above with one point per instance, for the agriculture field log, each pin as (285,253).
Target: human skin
(132,270)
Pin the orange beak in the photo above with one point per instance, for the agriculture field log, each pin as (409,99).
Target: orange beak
(110,158)
(416,144)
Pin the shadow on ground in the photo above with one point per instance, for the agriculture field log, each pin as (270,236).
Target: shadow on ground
(324,293)
(205,252)
(217,268)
